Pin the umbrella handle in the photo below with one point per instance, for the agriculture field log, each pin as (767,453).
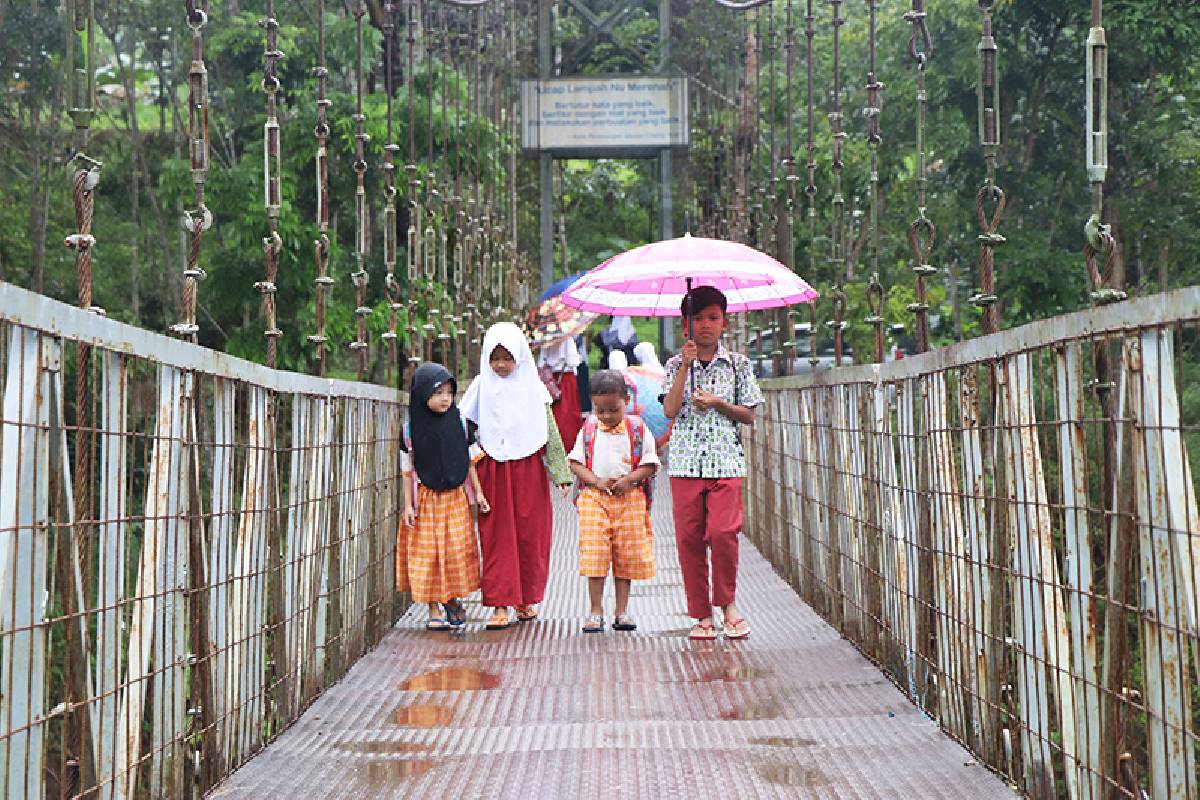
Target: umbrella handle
(691,335)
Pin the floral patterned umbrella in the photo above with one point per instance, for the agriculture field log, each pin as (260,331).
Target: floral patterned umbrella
(552,321)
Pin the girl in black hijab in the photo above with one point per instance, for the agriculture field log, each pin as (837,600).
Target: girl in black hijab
(436,554)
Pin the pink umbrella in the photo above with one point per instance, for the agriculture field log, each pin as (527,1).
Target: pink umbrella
(651,280)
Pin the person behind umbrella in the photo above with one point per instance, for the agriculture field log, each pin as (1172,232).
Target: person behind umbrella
(436,555)
(707,463)
(613,458)
(511,411)
(561,360)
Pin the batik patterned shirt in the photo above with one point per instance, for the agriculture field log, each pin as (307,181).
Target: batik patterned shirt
(707,444)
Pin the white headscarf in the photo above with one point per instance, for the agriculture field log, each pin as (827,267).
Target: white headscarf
(510,412)
(560,356)
(647,357)
(623,327)
(617,360)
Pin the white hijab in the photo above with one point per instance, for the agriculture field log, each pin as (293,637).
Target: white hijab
(510,412)
(647,357)
(617,360)
(623,327)
(560,356)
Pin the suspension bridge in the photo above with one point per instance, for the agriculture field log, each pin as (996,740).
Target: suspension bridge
(974,571)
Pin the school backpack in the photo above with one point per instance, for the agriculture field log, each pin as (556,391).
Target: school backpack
(636,428)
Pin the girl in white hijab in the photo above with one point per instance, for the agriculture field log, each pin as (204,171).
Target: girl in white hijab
(511,410)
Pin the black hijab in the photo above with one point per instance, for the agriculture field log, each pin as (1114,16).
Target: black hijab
(439,443)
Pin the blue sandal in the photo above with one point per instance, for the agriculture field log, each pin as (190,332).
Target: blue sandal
(456,612)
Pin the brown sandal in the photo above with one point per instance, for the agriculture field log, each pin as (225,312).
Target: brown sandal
(703,631)
(499,620)
(526,613)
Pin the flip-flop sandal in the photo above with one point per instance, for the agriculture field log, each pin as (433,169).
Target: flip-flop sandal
(437,624)
(736,629)
(499,621)
(703,631)
(526,614)
(456,613)
(593,624)
(624,622)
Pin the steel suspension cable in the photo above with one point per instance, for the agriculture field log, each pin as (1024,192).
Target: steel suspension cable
(810,190)
(199,219)
(360,277)
(921,233)
(412,234)
(791,179)
(987,89)
(838,255)
(1106,285)
(272,169)
(323,282)
(390,285)
(873,112)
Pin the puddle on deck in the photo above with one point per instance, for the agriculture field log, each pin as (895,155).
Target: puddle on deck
(383,748)
(793,775)
(763,710)
(422,715)
(382,774)
(783,741)
(453,678)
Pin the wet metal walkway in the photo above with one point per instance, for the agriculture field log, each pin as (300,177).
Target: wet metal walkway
(543,710)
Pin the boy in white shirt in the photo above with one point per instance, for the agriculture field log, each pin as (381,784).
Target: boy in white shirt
(612,458)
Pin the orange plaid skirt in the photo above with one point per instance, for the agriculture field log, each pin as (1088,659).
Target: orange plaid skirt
(615,531)
(437,559)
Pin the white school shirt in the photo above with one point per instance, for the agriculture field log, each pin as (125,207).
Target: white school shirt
(613,457)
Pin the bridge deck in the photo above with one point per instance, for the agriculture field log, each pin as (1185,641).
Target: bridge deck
(543,710)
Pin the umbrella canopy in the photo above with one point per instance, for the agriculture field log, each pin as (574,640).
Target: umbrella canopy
(552,321)
(649,387)
(560,285)
(650,281)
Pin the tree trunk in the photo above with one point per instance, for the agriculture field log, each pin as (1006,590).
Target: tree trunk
(39,195)
(747,128)
(136,144)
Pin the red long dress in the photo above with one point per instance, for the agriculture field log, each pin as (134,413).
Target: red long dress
(566,411)
(514,536)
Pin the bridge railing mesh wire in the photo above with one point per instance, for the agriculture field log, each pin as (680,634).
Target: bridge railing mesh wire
(183,575)
(1009,529)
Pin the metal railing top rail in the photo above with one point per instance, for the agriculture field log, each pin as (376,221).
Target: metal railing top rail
(1181,305)
(31,310)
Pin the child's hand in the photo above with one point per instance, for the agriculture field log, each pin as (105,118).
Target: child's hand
(689,352)
(604,485)
(565,490)
(410,516)
(484,506)
(621,486)
(704,400)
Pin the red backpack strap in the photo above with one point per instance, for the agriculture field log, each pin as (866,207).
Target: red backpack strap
(636,429)
(589,440)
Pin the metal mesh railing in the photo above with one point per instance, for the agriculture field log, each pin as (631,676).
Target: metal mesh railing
(1008,527)
(231,554)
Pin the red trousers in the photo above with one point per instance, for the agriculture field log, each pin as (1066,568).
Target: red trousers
(514,537)
(708,518)
(566,408)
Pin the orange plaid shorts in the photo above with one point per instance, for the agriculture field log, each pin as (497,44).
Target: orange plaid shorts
(615,531)
(438,559)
